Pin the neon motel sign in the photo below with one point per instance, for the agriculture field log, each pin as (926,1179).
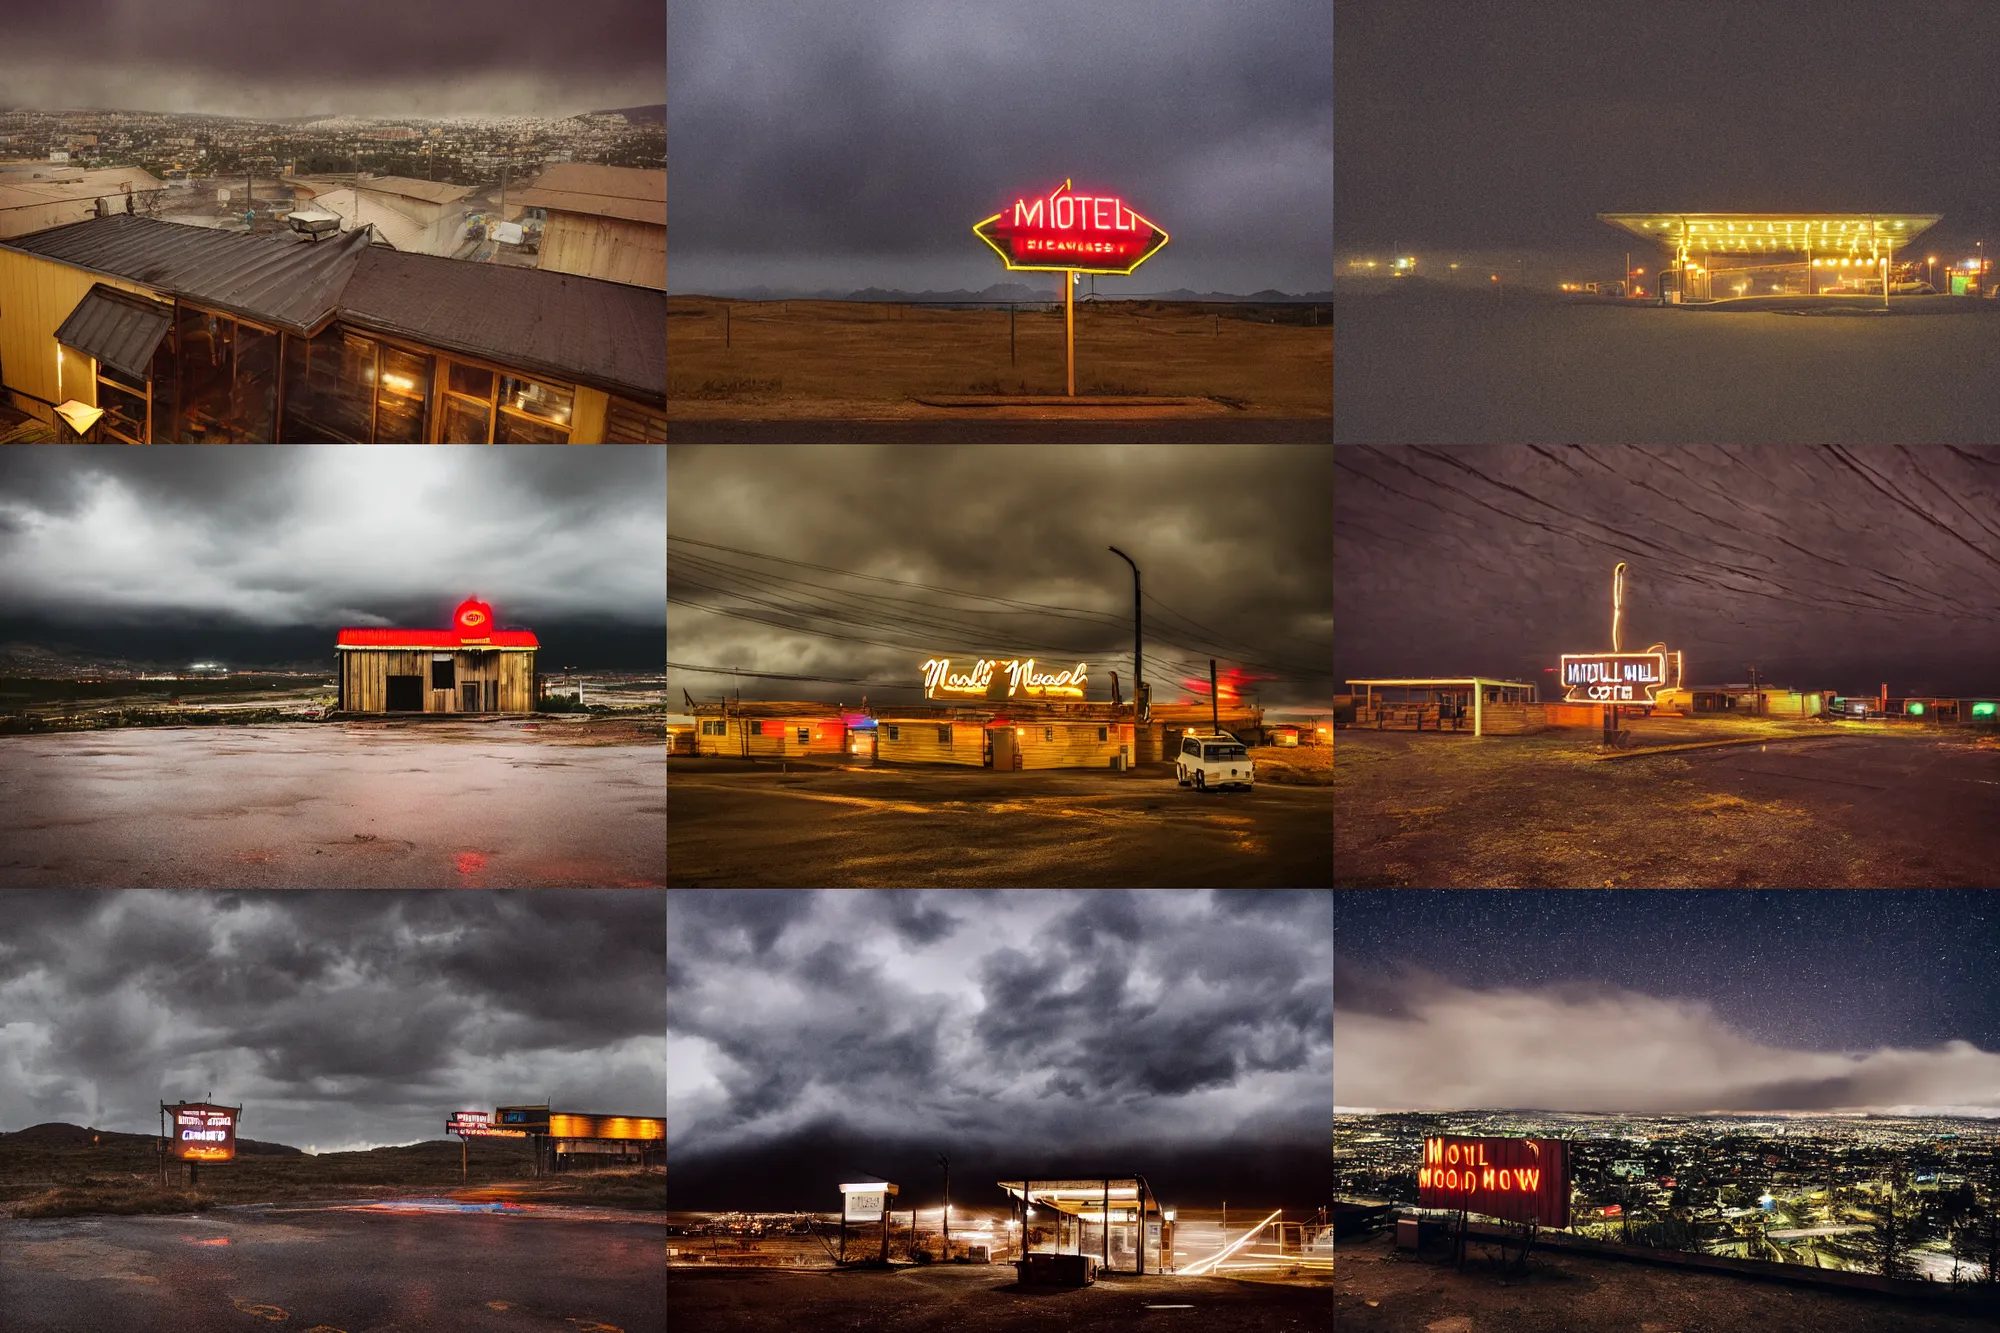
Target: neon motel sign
(1064,232)
(1612,678)
(1022,678)
(1519,1180)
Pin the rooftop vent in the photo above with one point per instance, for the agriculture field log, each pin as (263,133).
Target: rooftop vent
(314,223)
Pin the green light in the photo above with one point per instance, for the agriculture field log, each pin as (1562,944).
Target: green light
(1916,708)
(1982,710)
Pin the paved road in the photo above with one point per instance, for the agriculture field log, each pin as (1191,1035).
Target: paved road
(1210,430)
(324,806)
(332,1269)
(921,827)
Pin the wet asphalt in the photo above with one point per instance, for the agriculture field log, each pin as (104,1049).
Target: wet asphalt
(332,1269)
(731,825)
(473,806)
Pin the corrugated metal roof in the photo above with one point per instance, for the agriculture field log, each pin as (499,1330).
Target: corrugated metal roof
(614,192)
(118,328)
(289,282)
(608,334)
(431,192)
(433,638)
(19,190)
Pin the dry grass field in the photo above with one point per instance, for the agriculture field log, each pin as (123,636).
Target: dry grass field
(839,359)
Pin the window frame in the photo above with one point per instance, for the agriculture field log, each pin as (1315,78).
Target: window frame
(757,727)
(944,734)
(895,733)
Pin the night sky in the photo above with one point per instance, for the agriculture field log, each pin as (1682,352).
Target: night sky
(255,556)
(1486,125)
(1231,544)
(337,1020)
(821,1037)
(841,144)
(1839,568)
(345,57)
(1668,1001)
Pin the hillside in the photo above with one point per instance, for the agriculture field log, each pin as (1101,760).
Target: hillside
(58,1134)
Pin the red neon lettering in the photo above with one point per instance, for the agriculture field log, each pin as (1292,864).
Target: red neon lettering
(1486,1179)
(1451,1153)
(1530,1177)
(1433,1150)
(1025,216)
(1062,212)
(1097,214)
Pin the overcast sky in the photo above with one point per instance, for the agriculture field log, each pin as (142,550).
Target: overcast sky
(819,1037)
(280,546)
(1489,124)
(337,1020)
(842,144)
(1839,568)
(1668,1001)
(346,57)
(1234,537)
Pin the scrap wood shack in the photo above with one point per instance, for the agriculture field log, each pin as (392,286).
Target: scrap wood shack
(470,668)
(1472,704)
(1116,1220)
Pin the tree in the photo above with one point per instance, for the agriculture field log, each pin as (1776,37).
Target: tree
(1898,1225)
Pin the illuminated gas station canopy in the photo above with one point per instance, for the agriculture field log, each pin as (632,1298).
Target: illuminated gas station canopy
(1774,233)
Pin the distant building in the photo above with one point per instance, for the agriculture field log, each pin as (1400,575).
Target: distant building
(603,222)
(470,668)
(416,217)
(48,196)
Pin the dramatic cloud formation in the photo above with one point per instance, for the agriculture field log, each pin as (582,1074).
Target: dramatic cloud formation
(1437,1046)
(1232,545)
(323,536)
(839,145)
(348,57)
(815,1033)
(338,1020)
(1832,568)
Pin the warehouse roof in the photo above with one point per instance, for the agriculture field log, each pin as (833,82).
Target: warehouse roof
(613,192)
(433,638)
(118,328)
(609,334)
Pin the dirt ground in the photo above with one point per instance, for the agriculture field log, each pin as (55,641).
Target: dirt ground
(979,1298)
(1858,806)
(1379,1289)
(826,359)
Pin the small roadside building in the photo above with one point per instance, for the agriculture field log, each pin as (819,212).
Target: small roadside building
(770,729)
(1472,704)
(603,222)
(470,668)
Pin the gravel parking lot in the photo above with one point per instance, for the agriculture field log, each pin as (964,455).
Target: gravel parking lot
(733,824)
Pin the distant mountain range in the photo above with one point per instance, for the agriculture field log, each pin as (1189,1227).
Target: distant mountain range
(637,114)
(61,1134)
(1001,291)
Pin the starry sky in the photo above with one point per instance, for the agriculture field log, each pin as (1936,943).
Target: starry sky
(337,57)
(1011,544)
(1836,568)
(1508,125)
(1668,1001)
(337,1020)
(256,556)
(817,1037)
(842,144)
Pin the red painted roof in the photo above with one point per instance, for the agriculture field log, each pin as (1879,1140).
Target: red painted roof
(433,638)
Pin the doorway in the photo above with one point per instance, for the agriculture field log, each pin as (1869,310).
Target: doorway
(1005,758)
(405,694)
(469,697)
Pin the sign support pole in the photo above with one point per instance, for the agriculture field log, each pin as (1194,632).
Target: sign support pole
(1069,328)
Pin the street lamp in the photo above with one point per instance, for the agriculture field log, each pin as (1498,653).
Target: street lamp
(1139,709)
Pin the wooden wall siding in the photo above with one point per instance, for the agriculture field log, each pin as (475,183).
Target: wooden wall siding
(1075,745)
(917,743)
(36,296)
(587,413)
(823,735)
(1512,719)
(367,673)
(611,248)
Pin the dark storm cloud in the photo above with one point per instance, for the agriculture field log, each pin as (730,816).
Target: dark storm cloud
(1090,1022)
(1470,123)
(813,141)
(351,57)
(1234,538)
(1826,568)
(337,1019)
(269,538)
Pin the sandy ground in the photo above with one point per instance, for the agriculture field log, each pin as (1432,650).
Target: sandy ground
(1379,1289)
(1448,370)
(333,1268)
(469,805)
(1864,809)
(732,826)
(784,357)
(1235,429)
(980,1299)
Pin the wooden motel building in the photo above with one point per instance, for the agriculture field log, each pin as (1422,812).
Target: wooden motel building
(470,668)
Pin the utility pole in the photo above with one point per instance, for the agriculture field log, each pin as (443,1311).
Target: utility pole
(1139,695)
(945,1162)
(1756,699)
(1214,704)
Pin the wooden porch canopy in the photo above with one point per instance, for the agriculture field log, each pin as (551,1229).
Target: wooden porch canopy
(1106,1201)
(1433,686)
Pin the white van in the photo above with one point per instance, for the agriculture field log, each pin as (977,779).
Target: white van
(1214,759)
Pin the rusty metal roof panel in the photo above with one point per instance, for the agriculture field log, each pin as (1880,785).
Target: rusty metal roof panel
(118,328)
(287,282)
(610,335)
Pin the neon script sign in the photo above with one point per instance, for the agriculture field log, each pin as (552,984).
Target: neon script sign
(1609,678)
(1022,678)
(1519,1180)
(204,1134)
(1077,233)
